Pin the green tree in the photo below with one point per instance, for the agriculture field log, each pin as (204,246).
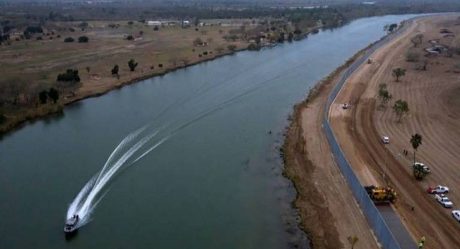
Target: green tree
(400,108)
(69,39)
(132,65)
(384,96)
(43,96)
(416,141)
(53,94)
(83,39)
(353,240)
(398,73)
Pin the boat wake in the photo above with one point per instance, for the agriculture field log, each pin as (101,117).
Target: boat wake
(130,150)
(141,142)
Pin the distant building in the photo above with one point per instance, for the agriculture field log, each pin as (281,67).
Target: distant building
(369,3)
(154,23)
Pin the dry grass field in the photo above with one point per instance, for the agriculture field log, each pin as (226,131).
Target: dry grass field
(30,66)
(433,98)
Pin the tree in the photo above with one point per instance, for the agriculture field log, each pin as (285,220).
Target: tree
(115,70)
(53,94)
(400,108)
(352,240)
(417,40)
(43,96)
(384,95)
(71,75)
(69,39)
(132,65)
(83,39)
(398,72)
(416,141)
(392,27)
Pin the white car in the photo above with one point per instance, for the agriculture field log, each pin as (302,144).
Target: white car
(438,190)
(456,214)
(385,140)
(444,201)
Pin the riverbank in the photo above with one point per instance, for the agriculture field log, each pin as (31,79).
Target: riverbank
(329,214)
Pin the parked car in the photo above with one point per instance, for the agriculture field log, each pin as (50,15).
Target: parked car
(426,169)
(385,140)
(438,190)
(444,200)
(456,214)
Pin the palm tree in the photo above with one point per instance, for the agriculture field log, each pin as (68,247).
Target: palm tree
(353,240)
(416,141)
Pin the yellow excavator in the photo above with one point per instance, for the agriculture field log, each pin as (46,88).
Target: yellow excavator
(381,195)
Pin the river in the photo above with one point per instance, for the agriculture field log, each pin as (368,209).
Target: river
(215,183)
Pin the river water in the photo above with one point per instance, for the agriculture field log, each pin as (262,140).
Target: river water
(215,183)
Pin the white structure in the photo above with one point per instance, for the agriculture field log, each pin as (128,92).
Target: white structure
(153,23)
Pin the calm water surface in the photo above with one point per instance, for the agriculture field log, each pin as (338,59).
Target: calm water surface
(216,183)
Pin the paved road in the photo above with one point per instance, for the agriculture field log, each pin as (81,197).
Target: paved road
(393,229)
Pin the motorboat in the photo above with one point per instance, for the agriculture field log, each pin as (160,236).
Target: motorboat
(71,224)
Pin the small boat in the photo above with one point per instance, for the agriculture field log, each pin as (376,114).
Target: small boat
(71,224)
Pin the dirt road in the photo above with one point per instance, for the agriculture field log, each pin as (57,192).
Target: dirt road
(327,207)
(432,96)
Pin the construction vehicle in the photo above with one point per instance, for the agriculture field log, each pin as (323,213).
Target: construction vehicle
(420,170)
(381,195)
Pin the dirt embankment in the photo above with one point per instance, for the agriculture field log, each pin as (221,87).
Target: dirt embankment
(431,96)
(329,213)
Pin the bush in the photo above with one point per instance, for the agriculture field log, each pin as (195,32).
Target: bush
(231,47)
(160,65)
(129,37)
(43,97)
(253,47)
(83,39)
(2,118)
(69,39)
(53,94)
(412,56)
(156,28)
(71,75)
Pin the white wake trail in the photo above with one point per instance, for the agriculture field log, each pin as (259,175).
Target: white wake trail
(93,191)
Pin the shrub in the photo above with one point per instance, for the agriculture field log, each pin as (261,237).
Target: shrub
(253,47)
(43,97)
(71,75)
(156,28)
(2,118)
(83,39)
(69,39)
(412,56)
(53,94)
(132,65)
(160,65)
(231,47)
(129,38)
